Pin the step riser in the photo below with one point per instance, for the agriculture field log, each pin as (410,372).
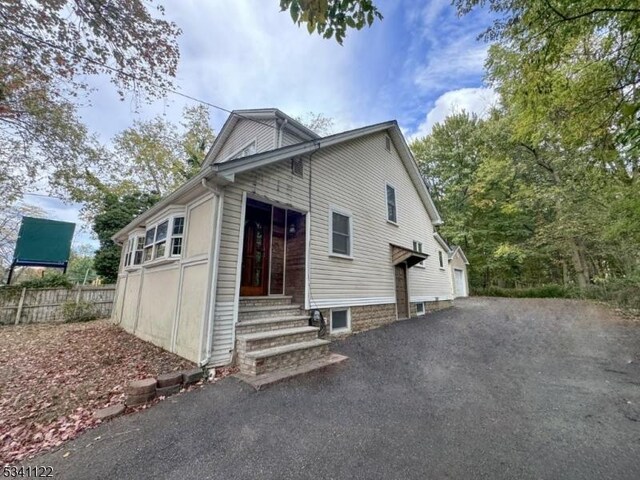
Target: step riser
(290,359)
(264,314)
(252,345)
(268,327)
(264,302)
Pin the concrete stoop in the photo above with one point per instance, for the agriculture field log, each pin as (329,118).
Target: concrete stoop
(274,341)
(266,379)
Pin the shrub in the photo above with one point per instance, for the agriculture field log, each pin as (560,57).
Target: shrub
(79,312)
(544,291)
(49,280)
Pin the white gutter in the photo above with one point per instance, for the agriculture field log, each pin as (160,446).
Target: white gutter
(214,256)
(280,132)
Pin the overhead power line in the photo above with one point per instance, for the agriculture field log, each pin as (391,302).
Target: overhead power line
(129,75)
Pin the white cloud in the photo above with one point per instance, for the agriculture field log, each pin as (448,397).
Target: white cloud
(242,54)
(473,100)
(453,64)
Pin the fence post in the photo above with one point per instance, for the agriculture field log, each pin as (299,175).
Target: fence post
(20,304)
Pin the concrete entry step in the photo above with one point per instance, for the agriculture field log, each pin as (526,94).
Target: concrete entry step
(291,355)
(267,311)
(266,379)
(269,324)
(274,338)
(265,301)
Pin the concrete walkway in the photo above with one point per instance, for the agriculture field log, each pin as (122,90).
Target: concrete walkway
(492,388)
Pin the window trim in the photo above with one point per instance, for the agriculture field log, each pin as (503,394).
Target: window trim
(418,312)
(234,155)
(346,329)
(179,235)
(387,143)
(386,202)
(441,259)
(129,250)
(420,264)
(349,215)
(167,240)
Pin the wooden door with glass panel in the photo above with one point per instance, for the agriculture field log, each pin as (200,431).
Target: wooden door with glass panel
(255,252)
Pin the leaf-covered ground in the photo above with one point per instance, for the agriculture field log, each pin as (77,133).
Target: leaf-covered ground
(53,377)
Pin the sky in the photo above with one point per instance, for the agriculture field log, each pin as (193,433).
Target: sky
(419,64)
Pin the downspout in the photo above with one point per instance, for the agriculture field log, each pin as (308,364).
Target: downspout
(280,133)
(214,256)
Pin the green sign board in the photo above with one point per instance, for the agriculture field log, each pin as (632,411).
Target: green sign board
(43,242)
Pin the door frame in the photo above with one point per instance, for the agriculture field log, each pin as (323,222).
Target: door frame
(402,265)
(266,262)
(464,283)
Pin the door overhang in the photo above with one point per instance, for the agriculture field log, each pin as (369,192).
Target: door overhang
(406,255)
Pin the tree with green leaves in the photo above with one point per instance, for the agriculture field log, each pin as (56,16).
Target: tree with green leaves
(114,214)
(332,18)
(49,49)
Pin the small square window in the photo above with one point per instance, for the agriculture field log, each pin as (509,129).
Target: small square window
(340,321)
(420,308)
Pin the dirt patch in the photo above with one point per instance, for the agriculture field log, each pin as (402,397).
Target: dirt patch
(53,377)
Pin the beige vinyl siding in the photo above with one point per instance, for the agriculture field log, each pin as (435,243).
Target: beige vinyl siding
(246,131)
(272,184)
(290,138)
(353,177)
(165,303)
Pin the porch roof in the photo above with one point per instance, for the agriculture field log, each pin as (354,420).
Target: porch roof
(406,255)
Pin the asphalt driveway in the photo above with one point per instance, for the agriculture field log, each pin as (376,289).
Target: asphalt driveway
(492,388)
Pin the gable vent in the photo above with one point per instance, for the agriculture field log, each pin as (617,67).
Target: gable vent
(297,167)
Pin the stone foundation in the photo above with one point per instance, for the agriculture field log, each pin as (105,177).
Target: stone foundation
(368,317)
(430,306)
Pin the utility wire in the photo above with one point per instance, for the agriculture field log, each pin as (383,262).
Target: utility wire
(129,75)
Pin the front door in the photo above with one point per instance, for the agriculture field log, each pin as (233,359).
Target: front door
(402,301)
(255,253)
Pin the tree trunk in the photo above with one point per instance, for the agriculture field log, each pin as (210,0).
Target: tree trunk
(565,273)
(579,265)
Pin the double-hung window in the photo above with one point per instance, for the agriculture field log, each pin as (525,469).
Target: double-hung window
(341,234)
(160,242)
(392,209)
(177,231)
(137,254)
(148,244)
(127,255)
(417,247)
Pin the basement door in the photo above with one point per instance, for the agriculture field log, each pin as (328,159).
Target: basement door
(402,298)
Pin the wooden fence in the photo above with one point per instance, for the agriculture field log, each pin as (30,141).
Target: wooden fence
(45,305)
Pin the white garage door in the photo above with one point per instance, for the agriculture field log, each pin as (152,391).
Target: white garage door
(460,284)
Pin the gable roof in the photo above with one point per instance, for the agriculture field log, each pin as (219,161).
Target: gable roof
(223,173)
(243,164)
(259,115)
(458,251)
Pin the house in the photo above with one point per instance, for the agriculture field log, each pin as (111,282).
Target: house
(278,223)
